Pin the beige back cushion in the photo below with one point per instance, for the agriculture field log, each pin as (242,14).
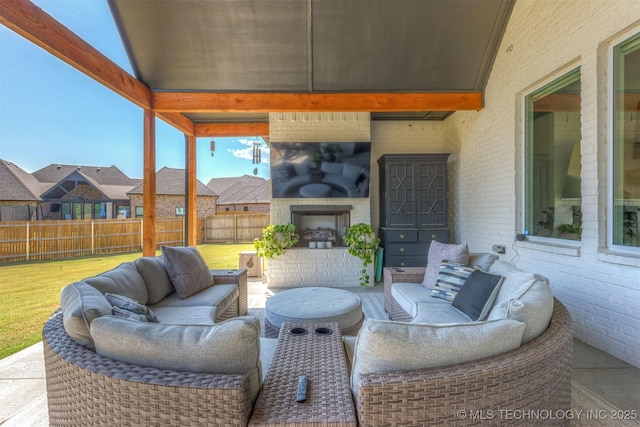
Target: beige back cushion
(122,280)
(385,346)
(229,347)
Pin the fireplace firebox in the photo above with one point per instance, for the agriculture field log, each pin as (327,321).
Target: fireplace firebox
(321,223)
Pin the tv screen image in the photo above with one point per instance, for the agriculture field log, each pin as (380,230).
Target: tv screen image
(320,169)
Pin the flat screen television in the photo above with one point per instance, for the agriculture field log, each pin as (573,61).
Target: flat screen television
(320,169)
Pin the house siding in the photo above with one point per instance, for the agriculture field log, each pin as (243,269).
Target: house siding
(166,205)
(543,41)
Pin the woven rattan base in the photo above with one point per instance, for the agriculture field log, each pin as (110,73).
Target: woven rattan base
(86,389)
(321,357)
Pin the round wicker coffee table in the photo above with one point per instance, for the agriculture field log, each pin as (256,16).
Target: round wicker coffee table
(313,304)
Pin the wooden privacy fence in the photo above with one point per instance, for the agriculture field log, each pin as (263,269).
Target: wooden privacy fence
(234,228)
(40,240)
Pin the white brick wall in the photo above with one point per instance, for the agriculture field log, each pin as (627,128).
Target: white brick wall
(544,40)
(300,267)
(314,267)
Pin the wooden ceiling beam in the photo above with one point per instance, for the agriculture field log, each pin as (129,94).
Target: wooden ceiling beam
(178,121)
(232,129)
(32,23)
(233,102)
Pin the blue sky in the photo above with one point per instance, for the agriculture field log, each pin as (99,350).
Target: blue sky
(52,113)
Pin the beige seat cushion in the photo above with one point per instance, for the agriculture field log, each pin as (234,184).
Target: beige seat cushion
(409,295)
(218,296)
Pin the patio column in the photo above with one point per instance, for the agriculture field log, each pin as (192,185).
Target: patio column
(149,186)
(190,193)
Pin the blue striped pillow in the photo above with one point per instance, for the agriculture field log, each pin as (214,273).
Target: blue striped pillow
(451,277)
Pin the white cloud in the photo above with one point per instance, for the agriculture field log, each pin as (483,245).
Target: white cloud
(247,153)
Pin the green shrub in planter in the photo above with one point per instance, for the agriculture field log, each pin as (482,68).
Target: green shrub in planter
(275,238)
(361,242)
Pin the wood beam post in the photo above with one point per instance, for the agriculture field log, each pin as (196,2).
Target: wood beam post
(190,193)
(149,186)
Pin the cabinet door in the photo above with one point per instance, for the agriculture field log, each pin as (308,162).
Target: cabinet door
(400,194)
(431,195)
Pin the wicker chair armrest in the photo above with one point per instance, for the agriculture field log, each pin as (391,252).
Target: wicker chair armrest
(535,376)
(238,277)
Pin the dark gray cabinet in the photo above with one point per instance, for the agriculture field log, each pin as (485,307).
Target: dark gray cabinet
(413,206)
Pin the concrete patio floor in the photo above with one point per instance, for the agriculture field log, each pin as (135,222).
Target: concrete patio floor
(608,383)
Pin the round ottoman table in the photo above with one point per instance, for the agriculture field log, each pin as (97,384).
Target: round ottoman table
(313,304)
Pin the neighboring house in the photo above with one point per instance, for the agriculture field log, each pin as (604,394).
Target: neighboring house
(170,190)
(63,192)
(242,194)
(84,192)
(19,193)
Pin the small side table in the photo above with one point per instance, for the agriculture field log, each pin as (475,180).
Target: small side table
(322,358)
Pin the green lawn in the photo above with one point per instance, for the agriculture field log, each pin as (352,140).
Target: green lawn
(30,292)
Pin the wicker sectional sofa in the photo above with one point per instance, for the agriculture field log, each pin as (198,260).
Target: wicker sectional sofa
(140,345)
(400,374)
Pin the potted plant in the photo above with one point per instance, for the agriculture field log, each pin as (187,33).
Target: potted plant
(362,242)
(275,238)
(570,231)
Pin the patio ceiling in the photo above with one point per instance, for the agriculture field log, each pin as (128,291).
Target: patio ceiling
(234,61)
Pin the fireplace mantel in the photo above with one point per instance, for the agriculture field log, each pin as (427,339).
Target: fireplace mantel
(320,209)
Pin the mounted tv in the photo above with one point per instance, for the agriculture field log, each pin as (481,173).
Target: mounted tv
(320,169)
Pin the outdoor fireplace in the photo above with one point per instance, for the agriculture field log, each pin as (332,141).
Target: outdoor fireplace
(321,224)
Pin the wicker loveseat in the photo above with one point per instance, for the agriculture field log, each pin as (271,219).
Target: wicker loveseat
(529,384)
(112,360)
(85,388)
(498,390)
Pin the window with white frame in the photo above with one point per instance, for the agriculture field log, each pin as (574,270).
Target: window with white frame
(626,144)
(553,198)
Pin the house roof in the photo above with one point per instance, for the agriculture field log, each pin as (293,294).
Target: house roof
(110,175)
(18,185)
(171,181)
(241,190)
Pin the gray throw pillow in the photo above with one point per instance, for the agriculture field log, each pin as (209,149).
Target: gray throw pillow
(155,277)
(129,315)
(477,295)
(187,270)
(133,306)
(438,252)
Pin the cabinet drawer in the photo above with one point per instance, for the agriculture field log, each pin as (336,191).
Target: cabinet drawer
(441,236)
(404,249)
(401,236)
(406,261)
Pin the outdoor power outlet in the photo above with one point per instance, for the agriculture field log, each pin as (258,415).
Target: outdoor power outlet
(499,249)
